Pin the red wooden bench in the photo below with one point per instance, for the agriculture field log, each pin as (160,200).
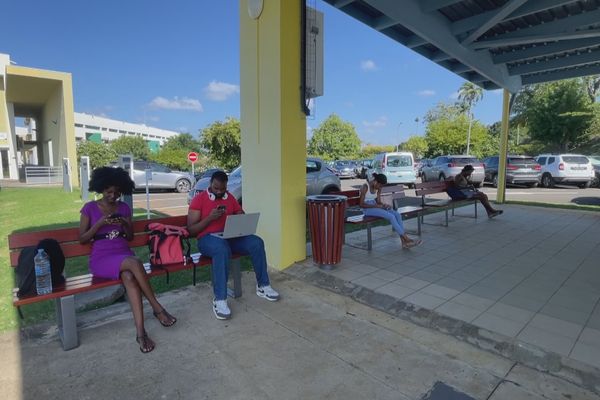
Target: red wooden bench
(433,205)
(64,295)
(389,195)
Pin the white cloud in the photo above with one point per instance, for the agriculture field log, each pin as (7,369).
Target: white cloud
(368,65)
(454,95)
(184,103)
(426,93)
(371,126)
(220,91)
(153,118)
(497,91)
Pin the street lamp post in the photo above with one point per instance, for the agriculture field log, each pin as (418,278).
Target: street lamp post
(398,144)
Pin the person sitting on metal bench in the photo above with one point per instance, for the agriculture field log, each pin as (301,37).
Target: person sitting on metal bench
(370,202)
(464,189)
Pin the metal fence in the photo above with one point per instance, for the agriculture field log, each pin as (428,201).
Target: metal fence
(43,174)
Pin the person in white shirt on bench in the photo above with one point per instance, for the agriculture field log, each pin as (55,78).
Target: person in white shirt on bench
(370,202)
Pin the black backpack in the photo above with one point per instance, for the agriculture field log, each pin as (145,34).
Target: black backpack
(25,270)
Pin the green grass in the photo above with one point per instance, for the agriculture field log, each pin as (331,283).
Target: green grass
(32,209)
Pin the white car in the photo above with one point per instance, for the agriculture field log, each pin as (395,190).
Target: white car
(565,169)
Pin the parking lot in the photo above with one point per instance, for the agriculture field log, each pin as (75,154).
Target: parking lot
(176,203)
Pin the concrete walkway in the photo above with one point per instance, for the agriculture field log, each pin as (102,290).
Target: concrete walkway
(531,275)
(314,344)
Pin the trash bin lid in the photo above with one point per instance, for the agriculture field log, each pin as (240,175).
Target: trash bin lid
(326,198)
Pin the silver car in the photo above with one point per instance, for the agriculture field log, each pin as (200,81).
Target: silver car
(444,167)
(161,177)
(319,180)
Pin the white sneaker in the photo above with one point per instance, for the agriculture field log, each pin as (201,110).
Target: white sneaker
(267,292)
(221,309)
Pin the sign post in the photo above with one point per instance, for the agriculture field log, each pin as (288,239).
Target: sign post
(148,173)
(84,175)
(193,157)
(126,162)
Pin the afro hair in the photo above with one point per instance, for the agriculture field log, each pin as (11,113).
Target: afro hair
(105,177)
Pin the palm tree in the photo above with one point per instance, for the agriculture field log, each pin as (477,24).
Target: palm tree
(468,95)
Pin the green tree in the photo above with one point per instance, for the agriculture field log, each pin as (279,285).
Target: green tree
(222,140)
(447,136)
(468,95)
(177,159)
(100,154)
(417,145)
(334,139)
(183,141)
(443,111)
(559,114)
(134,145)
(370,150)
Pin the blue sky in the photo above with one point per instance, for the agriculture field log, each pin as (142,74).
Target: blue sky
(175,65)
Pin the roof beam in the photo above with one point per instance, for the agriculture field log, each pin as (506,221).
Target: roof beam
(414,41)
(435,29)
(384,22)
(493,20)
(440,56)
(557,63)
(529,39)
(342,3)
(531,7)
(434,5)
(544,50)
(559,25)
(563,74)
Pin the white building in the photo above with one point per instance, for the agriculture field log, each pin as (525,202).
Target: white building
(100,129)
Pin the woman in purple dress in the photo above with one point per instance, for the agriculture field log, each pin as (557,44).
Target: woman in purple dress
(107,224)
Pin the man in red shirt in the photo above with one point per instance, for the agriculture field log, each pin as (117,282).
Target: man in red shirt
(207,214)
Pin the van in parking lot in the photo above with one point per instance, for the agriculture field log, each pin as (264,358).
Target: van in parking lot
(398,167)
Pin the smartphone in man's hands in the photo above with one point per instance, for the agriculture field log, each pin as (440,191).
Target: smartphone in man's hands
(221,207)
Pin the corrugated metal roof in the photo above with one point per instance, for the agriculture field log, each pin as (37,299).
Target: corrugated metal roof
(493,43)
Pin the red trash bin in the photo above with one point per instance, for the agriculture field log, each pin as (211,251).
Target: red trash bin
(326,221)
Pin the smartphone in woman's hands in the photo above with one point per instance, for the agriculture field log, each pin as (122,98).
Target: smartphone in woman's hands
(114,218)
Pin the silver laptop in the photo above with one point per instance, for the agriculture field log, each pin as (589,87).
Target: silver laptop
(239,225)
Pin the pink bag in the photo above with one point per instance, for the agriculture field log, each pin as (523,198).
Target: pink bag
(168,244)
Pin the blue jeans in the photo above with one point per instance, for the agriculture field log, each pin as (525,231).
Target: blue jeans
(220,251)
(392,216)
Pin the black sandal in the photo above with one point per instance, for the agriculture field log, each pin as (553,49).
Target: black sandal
(143,342)
(169,316)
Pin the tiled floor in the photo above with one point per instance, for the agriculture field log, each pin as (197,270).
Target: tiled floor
(532,274)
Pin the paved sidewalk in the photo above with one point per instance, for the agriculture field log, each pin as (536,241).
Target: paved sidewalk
(314,344)
(531,274)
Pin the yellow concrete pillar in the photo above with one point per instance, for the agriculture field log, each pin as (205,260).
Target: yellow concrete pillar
(274,127)
(500,196)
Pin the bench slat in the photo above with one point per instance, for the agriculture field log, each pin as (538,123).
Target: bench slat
(69,238)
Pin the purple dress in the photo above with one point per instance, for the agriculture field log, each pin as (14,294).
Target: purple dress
(107,254)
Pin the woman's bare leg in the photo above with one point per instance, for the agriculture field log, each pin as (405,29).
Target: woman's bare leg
(134,265)
(134,296)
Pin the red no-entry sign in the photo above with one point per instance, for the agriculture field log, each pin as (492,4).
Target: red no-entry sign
(192,156)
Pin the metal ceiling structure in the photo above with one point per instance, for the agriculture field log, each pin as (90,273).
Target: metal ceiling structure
(492,43)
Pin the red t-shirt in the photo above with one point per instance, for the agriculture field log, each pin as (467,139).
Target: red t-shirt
(205,205)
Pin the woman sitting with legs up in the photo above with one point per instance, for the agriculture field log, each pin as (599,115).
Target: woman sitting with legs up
(107,224)
(370,202)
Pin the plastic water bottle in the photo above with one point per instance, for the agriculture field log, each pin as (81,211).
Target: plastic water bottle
(43,274)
